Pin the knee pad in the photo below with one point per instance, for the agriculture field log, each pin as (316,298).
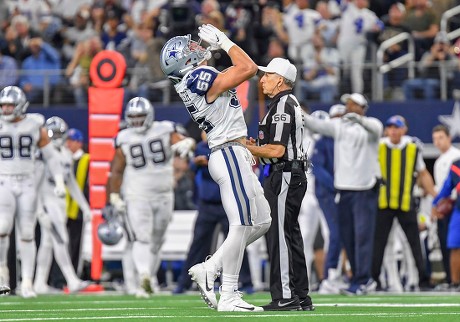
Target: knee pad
(6,226)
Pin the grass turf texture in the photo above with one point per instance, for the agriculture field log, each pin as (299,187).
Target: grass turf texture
(415,307)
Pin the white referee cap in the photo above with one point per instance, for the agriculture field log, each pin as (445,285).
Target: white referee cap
(355,97)
(282,67)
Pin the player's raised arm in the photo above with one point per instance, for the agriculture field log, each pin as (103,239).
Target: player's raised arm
(243,66)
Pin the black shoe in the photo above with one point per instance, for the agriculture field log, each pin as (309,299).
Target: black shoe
(283,305)
(306,304)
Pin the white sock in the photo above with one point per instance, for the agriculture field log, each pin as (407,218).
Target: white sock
(129,272)
(28,252)
(233,248)
(62,256)
(229,284)
(4,246)
(142,258)
(44,260)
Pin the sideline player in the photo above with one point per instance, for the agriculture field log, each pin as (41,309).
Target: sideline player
(21,134)
(52,214)
(142,169)
(210,97)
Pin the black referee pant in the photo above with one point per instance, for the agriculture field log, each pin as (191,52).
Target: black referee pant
(288,269)
(408,222)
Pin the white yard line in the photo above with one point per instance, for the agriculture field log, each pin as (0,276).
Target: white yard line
(244,316)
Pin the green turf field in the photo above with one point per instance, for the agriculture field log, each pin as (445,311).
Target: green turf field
(379,307)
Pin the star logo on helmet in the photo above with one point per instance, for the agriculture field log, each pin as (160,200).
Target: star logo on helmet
(172,52)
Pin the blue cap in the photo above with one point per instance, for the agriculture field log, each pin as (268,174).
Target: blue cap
(396,120)
(75,135)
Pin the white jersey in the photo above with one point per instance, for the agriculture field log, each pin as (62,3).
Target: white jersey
(149,162)
(19,144)
(354,25)
(355,149)
(300,25)
(223,119)
(66,163)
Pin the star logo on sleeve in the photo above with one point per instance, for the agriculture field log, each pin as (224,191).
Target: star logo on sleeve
(452,121)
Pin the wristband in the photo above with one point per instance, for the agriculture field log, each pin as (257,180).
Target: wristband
(226,44)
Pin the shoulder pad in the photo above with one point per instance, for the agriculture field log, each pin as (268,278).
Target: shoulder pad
(200,80)
(36,117)
(121,137)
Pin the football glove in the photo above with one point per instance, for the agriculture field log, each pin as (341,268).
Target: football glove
(59,188)
(117,202)
(183,147)
(214,37)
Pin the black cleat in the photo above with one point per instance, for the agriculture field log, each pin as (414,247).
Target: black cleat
(283,305)
(306,304)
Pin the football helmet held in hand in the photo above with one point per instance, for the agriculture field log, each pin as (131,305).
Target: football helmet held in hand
(57,130)
(110,232)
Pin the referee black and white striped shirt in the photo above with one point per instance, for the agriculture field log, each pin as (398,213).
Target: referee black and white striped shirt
(283,124)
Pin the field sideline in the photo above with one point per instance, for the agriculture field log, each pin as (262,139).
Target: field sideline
(415,307)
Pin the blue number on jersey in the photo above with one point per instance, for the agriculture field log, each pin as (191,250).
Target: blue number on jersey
(200,80)
(359,22)
(300,20)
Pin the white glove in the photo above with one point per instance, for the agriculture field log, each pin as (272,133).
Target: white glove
(59,188)
(353,117)
(117,202)
(183,147)
(214,37)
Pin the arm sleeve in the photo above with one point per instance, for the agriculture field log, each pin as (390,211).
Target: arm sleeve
(446,189)
(77,194)
(51,157)
(324,127)
(373,126)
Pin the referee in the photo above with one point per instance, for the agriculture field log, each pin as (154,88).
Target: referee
(280,150)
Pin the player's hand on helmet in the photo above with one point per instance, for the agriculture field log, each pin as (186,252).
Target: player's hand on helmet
(117,202)
(214,37)
(353,117)
(184,147)
(59,187)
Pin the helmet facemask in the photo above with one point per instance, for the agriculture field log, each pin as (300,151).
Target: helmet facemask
(180,55)
(13,95)
(139,114)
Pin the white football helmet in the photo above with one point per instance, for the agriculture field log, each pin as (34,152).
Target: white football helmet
(57,130)
(15,96)
(180,55)
(110,232)
(139,114)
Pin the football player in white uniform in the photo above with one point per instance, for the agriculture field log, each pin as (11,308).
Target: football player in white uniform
(211,100)
(21,135)
(143,164)
(52,214)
